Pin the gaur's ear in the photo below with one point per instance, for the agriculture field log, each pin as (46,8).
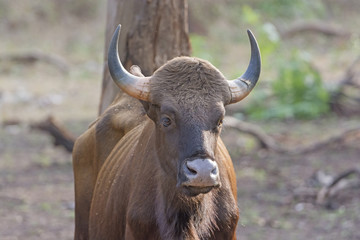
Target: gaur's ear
(135,70)
(146,105)
(150,109)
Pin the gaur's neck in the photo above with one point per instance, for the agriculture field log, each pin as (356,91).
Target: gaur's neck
(183,217)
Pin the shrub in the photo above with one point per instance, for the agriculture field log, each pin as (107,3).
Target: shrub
(298,92)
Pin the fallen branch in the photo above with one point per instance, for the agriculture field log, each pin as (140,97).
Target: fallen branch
(32,57)
(336,138)
(267,142)
(314,27)
(338,184)
(61,136)
(329,191)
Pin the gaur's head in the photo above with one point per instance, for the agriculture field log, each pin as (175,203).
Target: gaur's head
(186,100)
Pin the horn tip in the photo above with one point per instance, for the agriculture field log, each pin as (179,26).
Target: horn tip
(118,28)
(250,33)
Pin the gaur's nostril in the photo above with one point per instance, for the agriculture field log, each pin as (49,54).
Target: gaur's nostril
(191,170)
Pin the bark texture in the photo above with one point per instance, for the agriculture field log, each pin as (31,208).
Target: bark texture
(152,32)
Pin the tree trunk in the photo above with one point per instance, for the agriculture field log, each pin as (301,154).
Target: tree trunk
(152,32)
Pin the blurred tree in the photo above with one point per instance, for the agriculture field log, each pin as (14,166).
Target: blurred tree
(153,32)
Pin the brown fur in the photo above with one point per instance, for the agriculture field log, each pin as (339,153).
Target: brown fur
(196,82)
(125,165)
(93,147)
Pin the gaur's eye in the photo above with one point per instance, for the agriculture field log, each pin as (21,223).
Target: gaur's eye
(165,121)
(220,122)
(218,126)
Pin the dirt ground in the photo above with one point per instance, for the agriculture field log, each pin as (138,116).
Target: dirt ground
(267,186)
(36,179)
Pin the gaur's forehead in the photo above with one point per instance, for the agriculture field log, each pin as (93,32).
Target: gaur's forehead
(194,114)
(189,81)
(174,108)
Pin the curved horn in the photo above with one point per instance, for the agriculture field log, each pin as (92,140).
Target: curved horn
(137,87)
(243,85)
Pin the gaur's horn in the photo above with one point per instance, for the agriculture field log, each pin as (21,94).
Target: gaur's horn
(137,87)
(243,85)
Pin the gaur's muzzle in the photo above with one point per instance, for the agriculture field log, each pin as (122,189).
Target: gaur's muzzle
(199,175)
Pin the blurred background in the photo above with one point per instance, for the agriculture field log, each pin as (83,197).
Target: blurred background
(295,141)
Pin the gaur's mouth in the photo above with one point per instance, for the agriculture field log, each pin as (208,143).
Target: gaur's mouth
(194,191)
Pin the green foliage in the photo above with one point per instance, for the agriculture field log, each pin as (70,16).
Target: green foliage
(200,47)
(266,34)
(297,92)
(250,16)
(291,8)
